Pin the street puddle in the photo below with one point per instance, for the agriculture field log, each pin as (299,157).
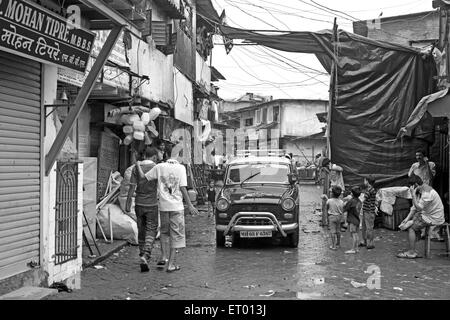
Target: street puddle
(308,295)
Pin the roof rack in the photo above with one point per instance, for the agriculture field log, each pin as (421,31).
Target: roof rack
(261,153)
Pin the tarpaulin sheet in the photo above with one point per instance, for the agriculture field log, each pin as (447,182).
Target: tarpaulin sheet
(378,86)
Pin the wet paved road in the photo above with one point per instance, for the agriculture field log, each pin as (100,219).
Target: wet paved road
(261,271)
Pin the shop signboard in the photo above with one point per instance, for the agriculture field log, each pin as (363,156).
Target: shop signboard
(31,31)
(112,76)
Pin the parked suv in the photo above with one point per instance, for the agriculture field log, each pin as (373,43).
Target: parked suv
(259,199)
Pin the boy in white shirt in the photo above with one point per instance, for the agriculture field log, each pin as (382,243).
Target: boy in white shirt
(172,183)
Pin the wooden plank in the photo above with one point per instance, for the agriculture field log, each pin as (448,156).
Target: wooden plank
(108,156)
(90,195)
(82,97)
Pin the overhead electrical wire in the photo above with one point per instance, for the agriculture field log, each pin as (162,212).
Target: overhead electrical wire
(334,10)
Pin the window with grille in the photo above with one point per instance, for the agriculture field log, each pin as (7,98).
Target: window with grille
(66,213)
(264,115)
(276,113)
(258,116)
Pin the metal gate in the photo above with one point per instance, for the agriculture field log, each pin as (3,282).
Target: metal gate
(66,219)
(20,164)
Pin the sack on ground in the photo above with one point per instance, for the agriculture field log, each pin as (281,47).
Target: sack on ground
(124,227)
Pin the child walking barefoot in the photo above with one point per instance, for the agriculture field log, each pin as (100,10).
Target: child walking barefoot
(352,209)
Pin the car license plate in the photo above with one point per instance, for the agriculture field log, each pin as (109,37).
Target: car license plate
(256,234)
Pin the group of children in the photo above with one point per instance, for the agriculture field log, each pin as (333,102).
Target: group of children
(347,211)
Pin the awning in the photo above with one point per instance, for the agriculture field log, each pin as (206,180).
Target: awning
(206,9)
(270,125)
(169,8)
(216,75)
(322,116)
(378,87)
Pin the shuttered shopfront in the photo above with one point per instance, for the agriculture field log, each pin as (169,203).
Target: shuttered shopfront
(20,154)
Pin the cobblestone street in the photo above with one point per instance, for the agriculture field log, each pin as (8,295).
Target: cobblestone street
(270,271)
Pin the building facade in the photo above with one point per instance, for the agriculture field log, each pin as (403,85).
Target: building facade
(289,124)
(60,136)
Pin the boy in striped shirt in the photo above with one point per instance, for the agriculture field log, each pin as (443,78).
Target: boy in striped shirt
(369,212)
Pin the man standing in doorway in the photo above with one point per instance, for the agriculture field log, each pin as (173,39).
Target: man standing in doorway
(426,170)
(423,168)
(146,206)
(172,182)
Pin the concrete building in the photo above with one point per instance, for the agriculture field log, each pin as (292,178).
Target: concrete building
(416,29)
(57,136)
(289,124)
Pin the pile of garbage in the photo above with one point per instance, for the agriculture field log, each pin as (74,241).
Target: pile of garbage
(113,221)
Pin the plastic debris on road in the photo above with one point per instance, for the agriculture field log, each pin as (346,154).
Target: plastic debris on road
(397,288)
(319,280)
(268,294)
(357,284)
(305,295)
(249,286)
(286,251)
(99,267)
(347,279)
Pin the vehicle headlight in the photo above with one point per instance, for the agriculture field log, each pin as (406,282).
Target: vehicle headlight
(222,204)
(288,204)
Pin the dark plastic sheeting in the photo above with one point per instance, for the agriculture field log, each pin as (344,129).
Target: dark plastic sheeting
(379,85)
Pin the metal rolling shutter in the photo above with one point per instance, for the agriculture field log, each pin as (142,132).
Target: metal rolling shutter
(20,118)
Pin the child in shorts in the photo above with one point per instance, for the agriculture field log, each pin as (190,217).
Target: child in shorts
(211,198)
(335,210)
(352,210)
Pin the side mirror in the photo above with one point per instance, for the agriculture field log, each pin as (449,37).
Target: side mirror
(293,178)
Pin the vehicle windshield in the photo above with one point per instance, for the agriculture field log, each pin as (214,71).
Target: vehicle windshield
(258,173)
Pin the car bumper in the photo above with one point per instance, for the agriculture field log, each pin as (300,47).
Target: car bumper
(234,226)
